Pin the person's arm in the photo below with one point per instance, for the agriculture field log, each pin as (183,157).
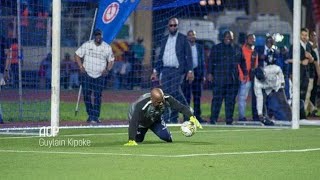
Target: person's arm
(110,61)
(259,95)
(79,62)
(243,65)
(212,58)
(188,57)
(79,55)
(134,123)
(7,64)
(176,105)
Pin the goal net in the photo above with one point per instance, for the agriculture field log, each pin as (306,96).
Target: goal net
(145,45)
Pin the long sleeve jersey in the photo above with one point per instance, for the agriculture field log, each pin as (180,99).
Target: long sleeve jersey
(143,114)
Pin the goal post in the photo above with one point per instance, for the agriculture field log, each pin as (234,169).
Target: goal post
(58,28)
(56,50)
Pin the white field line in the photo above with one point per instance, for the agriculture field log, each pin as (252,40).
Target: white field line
(125,133)
(163,156)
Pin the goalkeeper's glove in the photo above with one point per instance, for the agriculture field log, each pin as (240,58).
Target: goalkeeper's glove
(131,143)
(194,120)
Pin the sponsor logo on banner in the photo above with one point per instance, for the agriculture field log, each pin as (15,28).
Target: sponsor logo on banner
(111,16)
(110,13)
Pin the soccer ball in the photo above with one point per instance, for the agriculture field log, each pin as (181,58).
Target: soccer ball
(188,129)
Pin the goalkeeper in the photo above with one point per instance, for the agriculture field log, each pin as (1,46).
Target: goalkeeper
(146,113)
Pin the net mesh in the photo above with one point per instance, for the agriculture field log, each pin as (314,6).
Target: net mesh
(136,49)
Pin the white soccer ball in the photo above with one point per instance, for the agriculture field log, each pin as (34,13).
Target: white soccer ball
(188,129)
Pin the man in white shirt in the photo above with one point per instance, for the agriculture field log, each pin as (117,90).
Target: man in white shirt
(269,81)
(95,59)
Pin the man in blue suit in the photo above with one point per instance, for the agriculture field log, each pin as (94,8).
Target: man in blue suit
(173,65)
(195,88)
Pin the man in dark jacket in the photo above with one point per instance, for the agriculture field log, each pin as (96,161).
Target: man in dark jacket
(174,64)
(223,72)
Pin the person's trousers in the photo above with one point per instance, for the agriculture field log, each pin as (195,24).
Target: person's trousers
(194,89)
(92,86)
(242,98)
(278,104)
(308,105)
(314,92)
(171,81)
(228,93)
(159,128)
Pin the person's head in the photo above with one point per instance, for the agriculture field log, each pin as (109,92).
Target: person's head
(191,35)
(313,36)
(284,50)
(140,39)
(250,40)
(269,41)
(227,37)
(157,97)
(173,26)
(304,35)
(260,74)
(66,56)
(97,33)
(49,56)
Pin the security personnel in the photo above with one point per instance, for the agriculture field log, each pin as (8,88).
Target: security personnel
(97,61)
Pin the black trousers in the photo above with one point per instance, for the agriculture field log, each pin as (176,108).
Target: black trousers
(171,81)
(194,89)
(228,93)
(92,86)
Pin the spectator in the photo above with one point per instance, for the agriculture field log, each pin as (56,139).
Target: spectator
(287,71)
(145,114)
(247,84)
(122,72)
(223,72)
(267,53)
(3,46)
(269,80)
(195,88)
(305,58)
(138,51)
(316,80)
(24,23)
(45,71)
(12,63)
(95,59)
(69,73)
(174,63)
(2,83)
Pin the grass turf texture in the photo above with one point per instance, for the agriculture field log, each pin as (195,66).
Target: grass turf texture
(36,111)
(205,155)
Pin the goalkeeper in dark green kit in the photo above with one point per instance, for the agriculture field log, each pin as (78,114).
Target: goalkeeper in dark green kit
(146,113)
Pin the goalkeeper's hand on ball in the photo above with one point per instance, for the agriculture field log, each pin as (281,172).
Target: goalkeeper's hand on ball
(195,121)
(131,143)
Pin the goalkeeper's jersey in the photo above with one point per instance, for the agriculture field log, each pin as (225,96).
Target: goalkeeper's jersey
(143,114)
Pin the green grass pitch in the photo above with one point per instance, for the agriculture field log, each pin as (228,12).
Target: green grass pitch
(212,153)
